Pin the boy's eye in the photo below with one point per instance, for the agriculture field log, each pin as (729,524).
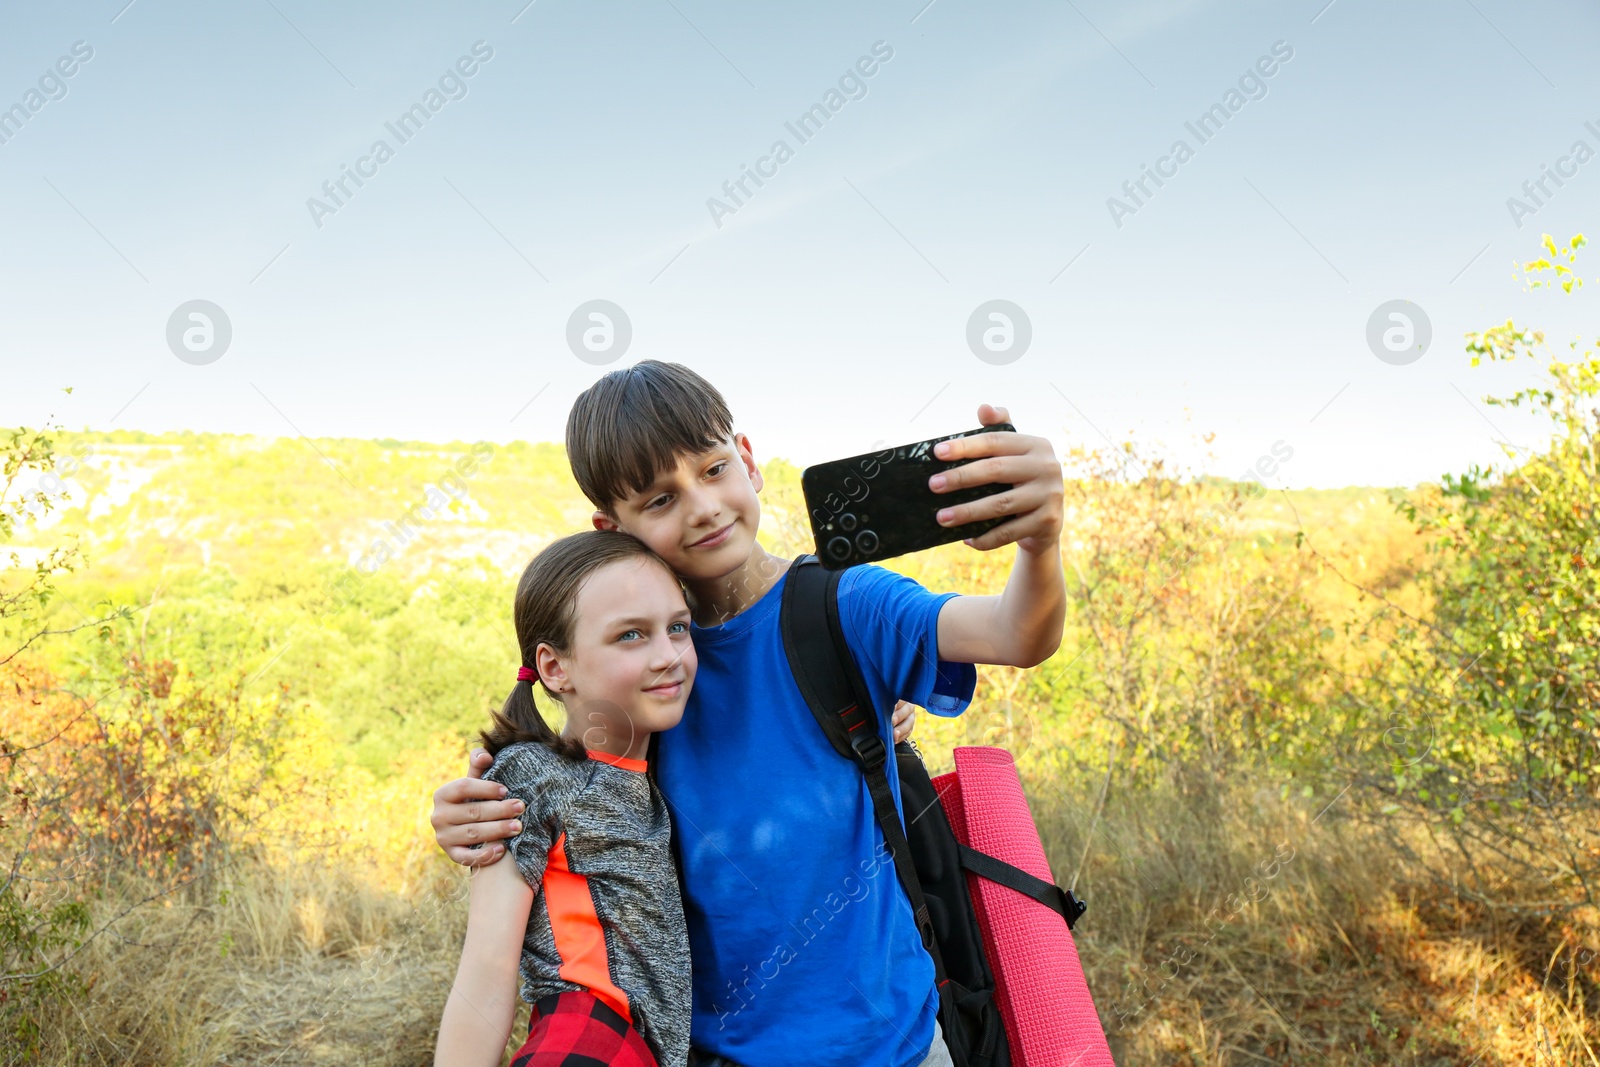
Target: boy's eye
(716,469)
(657,502)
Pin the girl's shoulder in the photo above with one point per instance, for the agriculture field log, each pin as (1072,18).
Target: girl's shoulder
(528,763)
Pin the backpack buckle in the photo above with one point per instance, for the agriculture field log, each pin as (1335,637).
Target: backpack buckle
(869,749)
(1075,908)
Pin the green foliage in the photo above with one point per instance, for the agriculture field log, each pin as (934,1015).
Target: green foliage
(1494,701)
(1518,585)
(1564,274)
(1201,646)
(31,929)
(27,589)
(29,935)
(321,569)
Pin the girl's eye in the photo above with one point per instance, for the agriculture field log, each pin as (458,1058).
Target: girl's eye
(678,628)
(628,635)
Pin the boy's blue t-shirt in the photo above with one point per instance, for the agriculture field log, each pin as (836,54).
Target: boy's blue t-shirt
(803,945)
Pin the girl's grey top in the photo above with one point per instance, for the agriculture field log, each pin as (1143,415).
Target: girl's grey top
(608,821)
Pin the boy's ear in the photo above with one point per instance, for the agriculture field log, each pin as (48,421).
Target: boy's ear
(747,456)
(602,521)
(551,670)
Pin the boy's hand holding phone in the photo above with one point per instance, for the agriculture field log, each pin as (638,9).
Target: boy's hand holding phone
(988,488)
(1028,464)
(1022,626)
(912,497)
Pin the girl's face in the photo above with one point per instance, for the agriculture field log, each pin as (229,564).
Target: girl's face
(628,672)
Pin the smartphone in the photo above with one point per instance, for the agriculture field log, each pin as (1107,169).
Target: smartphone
(878,505)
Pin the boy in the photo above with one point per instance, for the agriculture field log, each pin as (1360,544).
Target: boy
(802,942)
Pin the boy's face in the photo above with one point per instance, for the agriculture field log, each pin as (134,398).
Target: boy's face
(700,516)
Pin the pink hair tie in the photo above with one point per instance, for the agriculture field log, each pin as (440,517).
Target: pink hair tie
(526,674)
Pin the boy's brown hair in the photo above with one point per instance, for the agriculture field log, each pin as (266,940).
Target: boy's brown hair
(635,423)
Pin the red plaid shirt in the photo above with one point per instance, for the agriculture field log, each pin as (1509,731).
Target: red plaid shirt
(578,1030)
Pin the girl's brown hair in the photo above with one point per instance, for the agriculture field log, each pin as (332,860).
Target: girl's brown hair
(546,613)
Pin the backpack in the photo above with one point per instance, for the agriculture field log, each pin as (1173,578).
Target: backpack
(931,864)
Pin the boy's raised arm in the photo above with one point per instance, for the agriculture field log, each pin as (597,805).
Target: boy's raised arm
(1022,626)
(469,811)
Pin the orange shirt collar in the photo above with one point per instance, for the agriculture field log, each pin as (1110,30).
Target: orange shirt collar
(619,761)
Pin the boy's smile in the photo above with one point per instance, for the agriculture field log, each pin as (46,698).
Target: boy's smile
(712,540)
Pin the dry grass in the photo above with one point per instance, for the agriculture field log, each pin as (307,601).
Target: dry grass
(309,947)
(1344,958)
(1339,955)
(267,963)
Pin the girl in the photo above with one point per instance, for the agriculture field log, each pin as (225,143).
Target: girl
(588,910)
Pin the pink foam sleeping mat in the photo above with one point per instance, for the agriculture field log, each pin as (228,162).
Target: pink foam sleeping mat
(1049,1016)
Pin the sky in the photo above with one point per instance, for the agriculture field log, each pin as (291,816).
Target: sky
(1359,158)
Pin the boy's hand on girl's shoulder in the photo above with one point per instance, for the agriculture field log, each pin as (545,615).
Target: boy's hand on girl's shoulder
(470,811)
(1028,464)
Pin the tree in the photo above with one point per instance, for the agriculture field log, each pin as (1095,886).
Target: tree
(1496,726)
(30,930)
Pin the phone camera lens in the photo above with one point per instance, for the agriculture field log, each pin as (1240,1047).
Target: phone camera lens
(839,548)
(847,521)
(867,542)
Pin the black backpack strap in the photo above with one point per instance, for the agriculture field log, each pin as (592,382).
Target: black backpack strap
(831,682)
(1061,901)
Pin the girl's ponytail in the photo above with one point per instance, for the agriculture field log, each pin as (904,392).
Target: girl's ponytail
(519,720)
